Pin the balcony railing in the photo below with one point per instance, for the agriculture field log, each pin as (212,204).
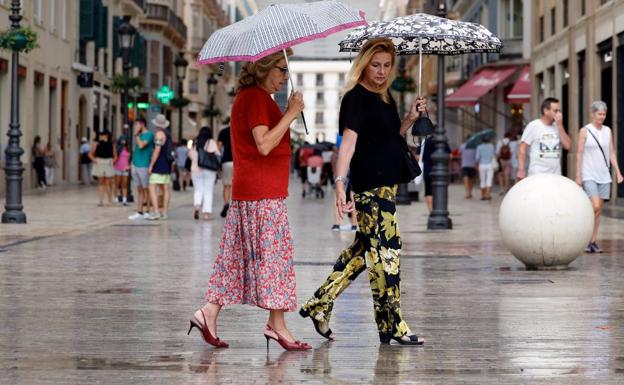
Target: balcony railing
(164,13)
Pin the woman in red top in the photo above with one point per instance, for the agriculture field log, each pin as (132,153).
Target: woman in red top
(254,264)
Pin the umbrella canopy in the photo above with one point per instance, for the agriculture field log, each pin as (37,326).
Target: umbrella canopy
(477,138)
(278,27)
(426,34)
(422,33)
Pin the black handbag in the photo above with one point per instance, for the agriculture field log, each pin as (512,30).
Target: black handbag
(208,160)
(423,125)
(411,167)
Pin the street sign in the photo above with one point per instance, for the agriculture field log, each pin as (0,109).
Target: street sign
(85,79)
(165,94)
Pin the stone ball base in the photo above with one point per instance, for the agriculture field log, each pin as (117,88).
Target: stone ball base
(546,221)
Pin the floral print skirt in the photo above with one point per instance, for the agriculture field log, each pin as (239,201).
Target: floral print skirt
(254,265)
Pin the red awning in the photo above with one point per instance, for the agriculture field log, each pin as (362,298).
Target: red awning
(521,91)
(478,85)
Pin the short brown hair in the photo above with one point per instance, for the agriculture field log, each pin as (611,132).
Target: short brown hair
(547,102)
(253,73)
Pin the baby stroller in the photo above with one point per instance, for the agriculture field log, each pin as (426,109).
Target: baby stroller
(315,168)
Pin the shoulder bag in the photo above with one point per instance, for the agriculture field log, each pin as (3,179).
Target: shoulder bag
(412,168)
(208,160)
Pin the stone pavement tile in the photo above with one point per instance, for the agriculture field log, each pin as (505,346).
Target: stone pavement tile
(110,304)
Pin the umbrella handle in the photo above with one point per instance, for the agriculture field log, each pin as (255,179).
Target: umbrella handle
(419,65)
(292,85)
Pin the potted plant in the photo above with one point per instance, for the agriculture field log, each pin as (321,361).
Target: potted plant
(180,102)
(22,39)
(121,82)
(208,113)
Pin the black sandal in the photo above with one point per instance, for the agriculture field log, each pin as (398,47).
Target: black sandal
(413,340)
(316,323)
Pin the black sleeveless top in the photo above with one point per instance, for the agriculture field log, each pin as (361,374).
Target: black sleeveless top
(104,150)
(164,161)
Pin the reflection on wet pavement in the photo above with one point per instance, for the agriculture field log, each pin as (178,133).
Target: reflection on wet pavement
(111,305)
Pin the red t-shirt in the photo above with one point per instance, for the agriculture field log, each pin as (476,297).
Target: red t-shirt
(256,176)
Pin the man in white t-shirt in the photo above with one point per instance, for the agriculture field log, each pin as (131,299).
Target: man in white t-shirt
(544,137)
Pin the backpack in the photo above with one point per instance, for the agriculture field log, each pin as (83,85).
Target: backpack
(505,152)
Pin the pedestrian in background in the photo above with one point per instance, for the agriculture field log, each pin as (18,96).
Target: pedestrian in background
(485,157)
(141,156)
(103,155)
(254,264)
(203,178)
(181,157)
(544,138)
(50,163)
(122,170)
(513,146)
(427,161)
(38,155)
(595,155)
(305,152)
(85,161)
(372,149)
(227,167)
(468,168)
(160,167)
(504,156)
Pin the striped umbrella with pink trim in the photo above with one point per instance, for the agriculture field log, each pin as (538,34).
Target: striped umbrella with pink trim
(276,28)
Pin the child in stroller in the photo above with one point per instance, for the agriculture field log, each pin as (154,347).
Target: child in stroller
(315,168)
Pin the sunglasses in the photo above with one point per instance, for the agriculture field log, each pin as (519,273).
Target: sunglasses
(284,70)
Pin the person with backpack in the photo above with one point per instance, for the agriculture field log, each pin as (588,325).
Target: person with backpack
(160,167)
(203,178)
(503,155)
(595,155)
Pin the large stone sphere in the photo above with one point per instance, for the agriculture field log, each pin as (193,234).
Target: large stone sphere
(546,221)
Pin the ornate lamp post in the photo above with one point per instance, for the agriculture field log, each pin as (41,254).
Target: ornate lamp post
(212,89)
(180,64)
(439,219)
(402,84)
(14,168)
(126,33)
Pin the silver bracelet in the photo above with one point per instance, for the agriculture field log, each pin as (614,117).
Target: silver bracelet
(340,178)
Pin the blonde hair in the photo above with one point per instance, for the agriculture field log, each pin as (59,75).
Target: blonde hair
(253,73)
(363,59)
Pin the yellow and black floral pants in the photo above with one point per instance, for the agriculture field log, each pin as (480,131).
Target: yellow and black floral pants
(377,244)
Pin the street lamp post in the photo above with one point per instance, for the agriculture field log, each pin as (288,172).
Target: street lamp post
(212,88)
(439,217)
(14,168)
(180,64)
(126,33)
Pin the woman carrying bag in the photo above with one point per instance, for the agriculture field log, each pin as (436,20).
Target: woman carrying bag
(595,155)
(373,149)
(204,156)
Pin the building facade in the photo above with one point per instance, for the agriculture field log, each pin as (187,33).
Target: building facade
(322,83)
(578,57)
(46,85)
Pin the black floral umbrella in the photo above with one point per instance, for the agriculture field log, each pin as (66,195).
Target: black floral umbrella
(425,34)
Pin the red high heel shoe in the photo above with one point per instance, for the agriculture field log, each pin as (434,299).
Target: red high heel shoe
(297,345)
(209,338)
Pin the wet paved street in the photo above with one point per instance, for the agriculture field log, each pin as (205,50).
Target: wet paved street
(88,297)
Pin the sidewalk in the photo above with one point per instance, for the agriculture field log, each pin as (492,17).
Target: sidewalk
(67,210)
(72,209)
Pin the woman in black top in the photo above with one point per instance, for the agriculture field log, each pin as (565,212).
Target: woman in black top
(372,149)
(104,155)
